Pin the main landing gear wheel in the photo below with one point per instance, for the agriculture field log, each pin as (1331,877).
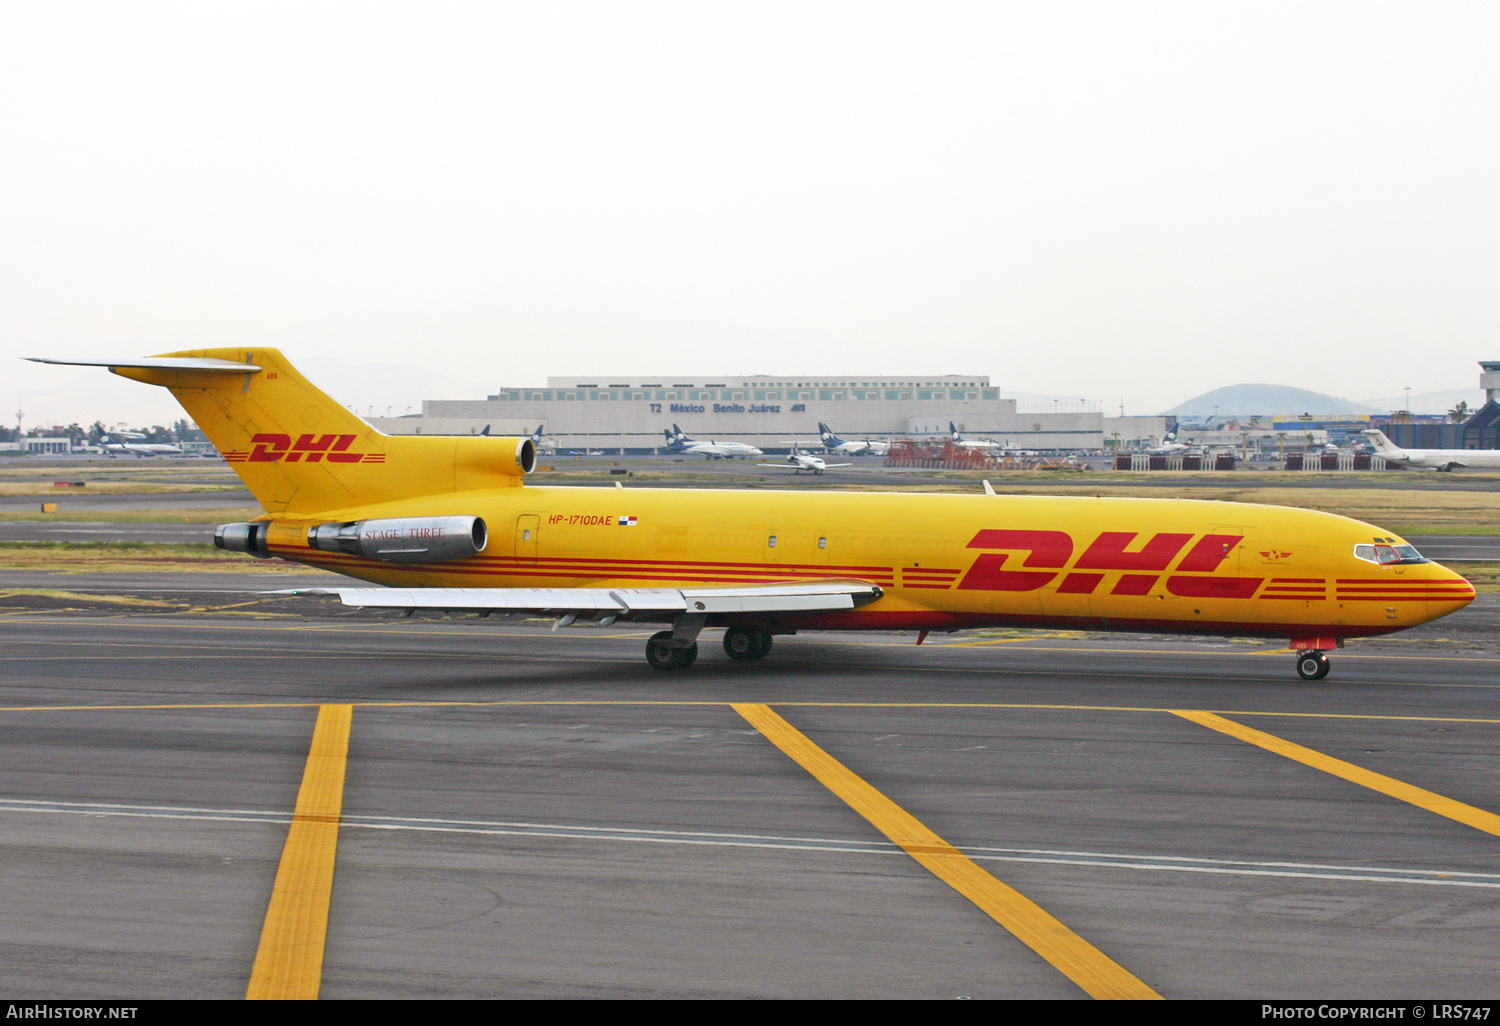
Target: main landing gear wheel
(662,655)
(745,644)
(1312,665)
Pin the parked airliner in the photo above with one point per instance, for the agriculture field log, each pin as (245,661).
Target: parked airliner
(679,442)
(1433,459)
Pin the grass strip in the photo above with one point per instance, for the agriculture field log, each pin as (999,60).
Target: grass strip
(136,557)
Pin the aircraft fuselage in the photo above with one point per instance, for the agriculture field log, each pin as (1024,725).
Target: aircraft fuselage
(942,561)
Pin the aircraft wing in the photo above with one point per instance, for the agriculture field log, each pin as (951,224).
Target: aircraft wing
(781,466)
(768,598)
(831,466)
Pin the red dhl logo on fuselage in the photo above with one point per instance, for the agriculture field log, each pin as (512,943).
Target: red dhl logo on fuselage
(270,448)
(1048,553)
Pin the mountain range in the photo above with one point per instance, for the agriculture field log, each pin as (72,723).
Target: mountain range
(1270,400)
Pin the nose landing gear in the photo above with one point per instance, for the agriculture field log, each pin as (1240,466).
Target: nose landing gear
(1312,665)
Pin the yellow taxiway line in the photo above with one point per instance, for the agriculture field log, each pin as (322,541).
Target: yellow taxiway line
(687,703)
(289,963)
(1077,959)
(1432,802)
(1018,643)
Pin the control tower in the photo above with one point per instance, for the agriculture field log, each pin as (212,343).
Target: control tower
(1490,380)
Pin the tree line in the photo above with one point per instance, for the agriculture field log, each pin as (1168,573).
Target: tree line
(183,430)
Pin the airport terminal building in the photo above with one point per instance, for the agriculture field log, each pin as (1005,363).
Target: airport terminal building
(618,414)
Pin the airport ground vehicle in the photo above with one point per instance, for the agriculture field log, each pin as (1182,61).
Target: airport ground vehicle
(447,523)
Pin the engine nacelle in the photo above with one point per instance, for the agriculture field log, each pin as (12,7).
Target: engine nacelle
(249,538)
(481,461)
(404,539)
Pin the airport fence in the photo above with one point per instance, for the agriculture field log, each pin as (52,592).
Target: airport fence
(1337,461)
(1227,461)
(947,456)
(1142,461)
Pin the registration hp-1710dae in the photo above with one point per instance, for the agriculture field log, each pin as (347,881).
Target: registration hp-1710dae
(447,523)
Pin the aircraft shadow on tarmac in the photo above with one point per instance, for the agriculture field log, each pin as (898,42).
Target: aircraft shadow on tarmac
(562,672)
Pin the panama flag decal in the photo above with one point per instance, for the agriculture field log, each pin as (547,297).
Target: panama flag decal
(627,521)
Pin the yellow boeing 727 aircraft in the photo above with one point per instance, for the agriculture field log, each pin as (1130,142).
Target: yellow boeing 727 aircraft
(446,523)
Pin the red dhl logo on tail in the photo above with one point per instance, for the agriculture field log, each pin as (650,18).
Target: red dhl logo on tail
(1048,553)
(268,448)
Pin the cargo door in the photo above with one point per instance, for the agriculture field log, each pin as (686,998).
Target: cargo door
(528,525)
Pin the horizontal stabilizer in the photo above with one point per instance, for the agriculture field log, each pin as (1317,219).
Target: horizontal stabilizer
(776,598)
(192,363)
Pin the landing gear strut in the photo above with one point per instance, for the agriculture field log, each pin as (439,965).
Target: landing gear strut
(1312,665)
(676,649)
(745,644)
(663,655)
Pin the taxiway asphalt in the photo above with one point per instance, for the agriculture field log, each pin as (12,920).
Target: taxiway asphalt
(50,530)
(78,505)
(529,813)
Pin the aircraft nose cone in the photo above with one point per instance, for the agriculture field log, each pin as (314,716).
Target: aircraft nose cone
(1447,592)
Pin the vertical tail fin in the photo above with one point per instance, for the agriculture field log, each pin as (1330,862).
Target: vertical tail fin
(299,451)
(1383,445)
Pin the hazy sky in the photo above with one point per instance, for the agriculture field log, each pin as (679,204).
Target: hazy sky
(1135,201)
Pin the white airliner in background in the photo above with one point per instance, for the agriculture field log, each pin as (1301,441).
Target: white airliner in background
(132,443)
(1435,459)
(799,461)
(546,445)
(867,447)
(1169,446)
(679,442)
(543,445)
(970,443)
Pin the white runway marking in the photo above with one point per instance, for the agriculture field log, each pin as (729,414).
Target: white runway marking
(1105,860)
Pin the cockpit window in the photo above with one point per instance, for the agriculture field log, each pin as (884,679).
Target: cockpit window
(1389,554)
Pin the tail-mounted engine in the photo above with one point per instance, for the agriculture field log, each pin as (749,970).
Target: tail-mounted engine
(403,540)
(249,538)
